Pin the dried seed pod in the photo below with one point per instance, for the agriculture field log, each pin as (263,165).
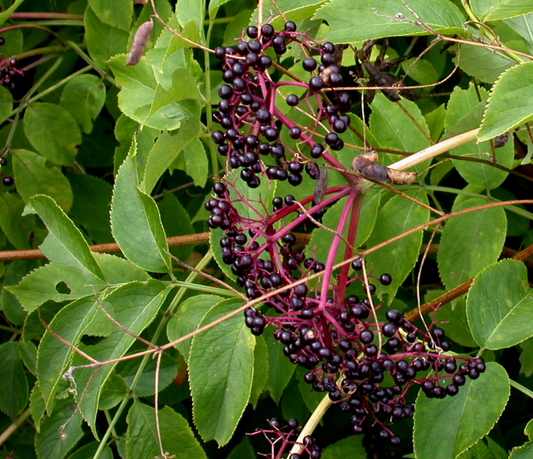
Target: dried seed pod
(364,160)
(142,2)
(401,177)
(321,186)
(501,140)
(139,42)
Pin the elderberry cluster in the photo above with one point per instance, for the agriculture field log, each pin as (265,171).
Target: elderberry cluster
(252,121)
(284,437)
(365,364)
(8,70)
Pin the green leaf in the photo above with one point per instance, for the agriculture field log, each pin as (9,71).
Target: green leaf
(145,100)
(65,243)
(34,175)
(49,442)
(191,10)
(485,449)
(446,427)
(465,112)
(136,223)
(493,10)
(27,352)
(168,370)
(293,10)
(50,282)
(244,450)
(177,222)
(103,41)
(54,356)
(113,392)
(220,372)
(117,13)
(165,151)
(470,242)
(280,369)
(13,383)
(356,20)
(6,104)
(351,447)
(196,162)
(392,128)
(526,358)
(90,208)
(134,306)
(523,25)
(84,96)
(510,102)
(499,318)
(522,452)
(16,227)
(87,452)
(118,270)
(398,258)
(37,407)
(187,319)
(53,132)
(482,63)
(176,435)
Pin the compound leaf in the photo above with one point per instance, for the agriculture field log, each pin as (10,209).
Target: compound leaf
(493,10)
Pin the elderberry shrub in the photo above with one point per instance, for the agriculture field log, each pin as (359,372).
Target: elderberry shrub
(365,366)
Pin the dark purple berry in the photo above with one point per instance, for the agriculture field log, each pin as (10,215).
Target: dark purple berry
(252,32)
(8,181)
(292,100)
(290,26)
(309,64)
(267,31)
(316,84)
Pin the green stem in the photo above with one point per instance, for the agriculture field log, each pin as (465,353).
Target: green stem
(37,51)
(521,388)
(161,326)
(204,288)
(76,17)
(13,427)
(469,11)
(89,61)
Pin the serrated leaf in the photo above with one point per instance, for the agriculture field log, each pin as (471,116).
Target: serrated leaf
(117,13)
(134,306)
(136,223)
(398,258)
(187,319)
(145,100)
(446,427)
(493,10)
(165,151)
(471,241)
(103,41)
(6,103)
(510,103)
(293,10)
(53,132)
(84,96)
(482,63)
(176,435)
(522,452)
(27,352)
(49,442)
(13,383)
(16,227)
(220,373)
(191,10)
(485,449)
(280,369)
(500,318)
(523,25)
(176,221)
(37,407)
(356,20)
(34,175)
(392,128)
(54,356)
(64,242)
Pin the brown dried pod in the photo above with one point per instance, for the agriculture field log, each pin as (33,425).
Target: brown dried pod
(401,177)
(321,186)
(376,172)
(142,2)
(501,140)
(139,42)
(364,160)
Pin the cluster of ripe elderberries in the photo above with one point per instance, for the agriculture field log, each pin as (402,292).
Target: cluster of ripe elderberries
(366,365)
(283,437)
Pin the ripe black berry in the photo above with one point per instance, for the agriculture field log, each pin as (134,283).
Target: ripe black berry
(385,279)
(225,91)
(316,84)
(252,32)
(267,31)
(328,47)
(8,181)
(290,26)
(3,161)
(292,100)
(295,132)
(309,64)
